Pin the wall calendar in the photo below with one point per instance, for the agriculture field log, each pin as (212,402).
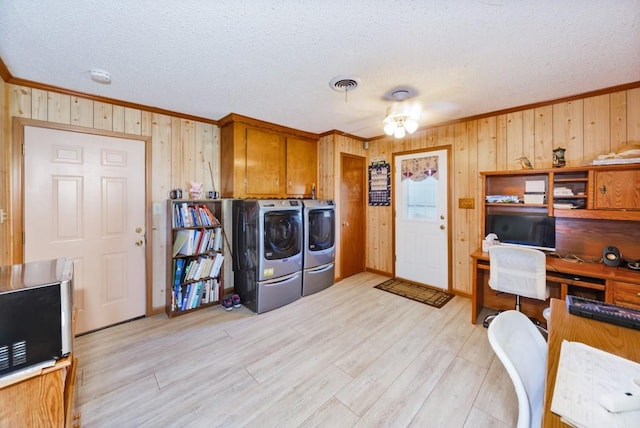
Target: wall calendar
(379,184)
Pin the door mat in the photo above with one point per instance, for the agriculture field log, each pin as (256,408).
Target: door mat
(420,293)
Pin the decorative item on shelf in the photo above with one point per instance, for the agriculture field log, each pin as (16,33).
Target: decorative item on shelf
(402,117)
(175,194)
(196,190)
(626,155)
(558,157)
(525,163)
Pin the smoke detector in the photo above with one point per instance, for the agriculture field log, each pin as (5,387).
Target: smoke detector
(100,76)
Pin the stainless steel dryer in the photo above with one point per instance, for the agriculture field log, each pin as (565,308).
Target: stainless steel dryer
(319,245)
(267,242)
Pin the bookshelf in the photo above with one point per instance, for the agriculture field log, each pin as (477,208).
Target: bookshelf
(195,255)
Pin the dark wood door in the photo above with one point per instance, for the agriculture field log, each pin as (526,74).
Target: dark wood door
(352,215)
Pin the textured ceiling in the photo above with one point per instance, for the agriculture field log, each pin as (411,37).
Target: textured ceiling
(273,60)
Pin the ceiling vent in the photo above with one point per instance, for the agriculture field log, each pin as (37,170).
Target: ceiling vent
(344,83)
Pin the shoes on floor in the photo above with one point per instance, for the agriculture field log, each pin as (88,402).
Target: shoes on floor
(227,304)
(236,301)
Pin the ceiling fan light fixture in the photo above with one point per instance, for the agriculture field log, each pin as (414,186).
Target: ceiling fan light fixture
(390,128)
(410,125)
(400,132)
(402,117)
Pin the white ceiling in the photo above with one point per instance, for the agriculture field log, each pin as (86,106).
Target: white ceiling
(273,59)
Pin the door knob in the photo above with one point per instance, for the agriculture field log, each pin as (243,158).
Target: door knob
(442,226)
(140,243)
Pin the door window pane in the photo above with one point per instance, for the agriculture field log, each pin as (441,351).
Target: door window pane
(419,199)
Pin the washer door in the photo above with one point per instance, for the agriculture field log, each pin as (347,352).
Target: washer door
(282,234)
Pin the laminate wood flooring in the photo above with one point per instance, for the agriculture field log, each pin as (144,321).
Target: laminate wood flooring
(349,356)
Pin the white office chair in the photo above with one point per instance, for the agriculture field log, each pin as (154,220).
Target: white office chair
(517,270)
(523,353)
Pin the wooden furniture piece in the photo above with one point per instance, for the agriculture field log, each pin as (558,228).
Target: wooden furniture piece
(606,201)
(621,341)
(609,192)
(263,160)
(618,285)
(194,255)
(41,399)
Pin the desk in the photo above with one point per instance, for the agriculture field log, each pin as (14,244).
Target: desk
(621,341)
(595,278)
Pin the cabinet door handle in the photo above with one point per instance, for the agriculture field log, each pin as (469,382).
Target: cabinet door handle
(603,189)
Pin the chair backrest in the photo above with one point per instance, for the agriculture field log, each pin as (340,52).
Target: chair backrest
(518,270)
(523,352)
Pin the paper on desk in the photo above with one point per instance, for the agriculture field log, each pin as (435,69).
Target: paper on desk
(584,375)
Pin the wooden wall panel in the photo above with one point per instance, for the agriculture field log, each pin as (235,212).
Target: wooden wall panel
(618,118)
(181,149)
(597,127)
(568,130)
(585,127)
(180,152)
(82,112)
(633,116)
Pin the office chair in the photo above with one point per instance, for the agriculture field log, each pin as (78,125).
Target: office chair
(517,270)
(523,353)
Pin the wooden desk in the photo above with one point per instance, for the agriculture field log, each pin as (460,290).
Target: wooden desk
(595,278)
(621,341)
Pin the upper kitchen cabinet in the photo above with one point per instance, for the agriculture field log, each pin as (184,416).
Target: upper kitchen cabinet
(263,160)
(302,166)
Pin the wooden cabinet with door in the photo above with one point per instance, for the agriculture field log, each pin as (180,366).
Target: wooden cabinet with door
(302,165)
(262,160)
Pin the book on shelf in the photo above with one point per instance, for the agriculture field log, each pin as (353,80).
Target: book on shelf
(217,242)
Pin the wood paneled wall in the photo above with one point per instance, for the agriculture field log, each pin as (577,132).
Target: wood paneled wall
(182,149)
(181,152)
(585,127)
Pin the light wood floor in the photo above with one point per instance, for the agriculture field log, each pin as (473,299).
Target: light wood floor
(348,356)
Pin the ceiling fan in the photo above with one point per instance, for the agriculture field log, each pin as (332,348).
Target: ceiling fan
(402,116)
(407,111)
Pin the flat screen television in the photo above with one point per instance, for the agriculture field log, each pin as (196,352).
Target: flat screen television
(528,230)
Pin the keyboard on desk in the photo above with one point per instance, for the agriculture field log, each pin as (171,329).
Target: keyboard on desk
(601,311)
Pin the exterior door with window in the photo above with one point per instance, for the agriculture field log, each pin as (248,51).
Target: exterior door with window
(421,217)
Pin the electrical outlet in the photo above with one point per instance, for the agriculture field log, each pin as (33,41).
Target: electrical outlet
(466,203)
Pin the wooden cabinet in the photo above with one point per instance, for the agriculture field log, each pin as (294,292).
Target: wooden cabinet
(42,399)
(262,160)
(302,165)
(195,255)
(626,294)
(617,190)
(264,163)
(609,192)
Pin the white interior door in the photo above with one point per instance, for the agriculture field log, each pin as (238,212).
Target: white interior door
(84,198)
(421,218)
